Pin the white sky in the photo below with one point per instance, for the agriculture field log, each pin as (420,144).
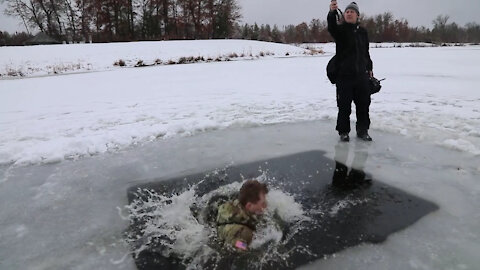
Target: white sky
(283,12)
(417,12)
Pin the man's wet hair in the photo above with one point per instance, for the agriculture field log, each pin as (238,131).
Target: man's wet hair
(250,192)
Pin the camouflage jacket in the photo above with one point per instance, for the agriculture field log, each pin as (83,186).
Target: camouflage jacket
(234,225)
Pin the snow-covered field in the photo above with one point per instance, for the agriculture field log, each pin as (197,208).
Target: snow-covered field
(27,61)
(129,125)
(430,94)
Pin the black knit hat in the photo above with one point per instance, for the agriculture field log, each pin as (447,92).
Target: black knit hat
(353,6)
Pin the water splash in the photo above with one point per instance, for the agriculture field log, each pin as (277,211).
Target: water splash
(167,222)
(178,225)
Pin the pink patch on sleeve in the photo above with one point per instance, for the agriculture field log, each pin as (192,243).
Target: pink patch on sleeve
(241,245)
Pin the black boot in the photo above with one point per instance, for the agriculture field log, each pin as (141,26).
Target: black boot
(363,135)
(344,137)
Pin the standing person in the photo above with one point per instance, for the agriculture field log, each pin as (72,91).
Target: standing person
(353,69)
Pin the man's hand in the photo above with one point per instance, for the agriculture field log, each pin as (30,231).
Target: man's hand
(333,5)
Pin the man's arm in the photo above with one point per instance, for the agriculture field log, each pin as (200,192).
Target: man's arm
(332,20)
(239,237)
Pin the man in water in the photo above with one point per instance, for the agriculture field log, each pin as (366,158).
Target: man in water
(237,219)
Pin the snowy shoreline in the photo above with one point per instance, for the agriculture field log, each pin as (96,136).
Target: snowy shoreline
(48,60)
(28,61)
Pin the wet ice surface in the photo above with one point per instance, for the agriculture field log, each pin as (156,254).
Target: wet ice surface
(66,215)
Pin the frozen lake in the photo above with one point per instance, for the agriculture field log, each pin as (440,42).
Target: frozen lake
(65,216)
(72,145)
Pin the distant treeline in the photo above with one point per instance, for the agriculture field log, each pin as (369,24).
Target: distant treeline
(381,28)
(127,20)
(6,39)
(73,21)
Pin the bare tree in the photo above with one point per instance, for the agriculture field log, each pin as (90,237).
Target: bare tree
(119,20)
(440,27)
(19,9)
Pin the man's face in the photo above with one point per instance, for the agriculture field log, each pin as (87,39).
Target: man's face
(259,207)
(351,16)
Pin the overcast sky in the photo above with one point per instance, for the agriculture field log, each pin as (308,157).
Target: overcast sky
(283,12)
(417,12)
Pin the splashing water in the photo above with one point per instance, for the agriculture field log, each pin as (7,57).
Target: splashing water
(177,225)
(168,222)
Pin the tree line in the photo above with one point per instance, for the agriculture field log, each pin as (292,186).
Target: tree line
(381,28)
(129,20)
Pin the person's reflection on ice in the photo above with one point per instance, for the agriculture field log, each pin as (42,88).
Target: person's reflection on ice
(356,177)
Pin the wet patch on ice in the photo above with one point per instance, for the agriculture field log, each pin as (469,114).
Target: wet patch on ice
(316,207)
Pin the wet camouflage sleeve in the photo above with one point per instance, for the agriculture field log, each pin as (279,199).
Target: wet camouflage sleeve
(234,224)
(232,233)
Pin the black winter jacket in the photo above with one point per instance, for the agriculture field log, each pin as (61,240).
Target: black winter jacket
(353,57)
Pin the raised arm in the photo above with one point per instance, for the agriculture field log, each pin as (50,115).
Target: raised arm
(332,20)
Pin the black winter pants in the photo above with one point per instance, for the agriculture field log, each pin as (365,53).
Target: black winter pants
(354,89)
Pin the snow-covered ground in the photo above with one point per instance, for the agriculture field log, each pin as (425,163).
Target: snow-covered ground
(430,94)
(126,126)
(27,61)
